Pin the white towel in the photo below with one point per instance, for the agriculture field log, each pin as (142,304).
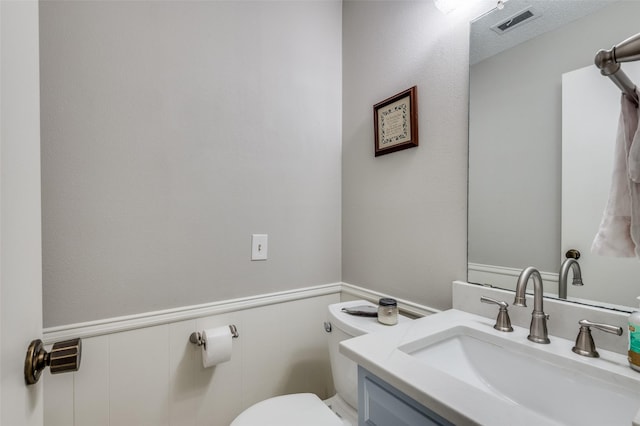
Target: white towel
(619,232)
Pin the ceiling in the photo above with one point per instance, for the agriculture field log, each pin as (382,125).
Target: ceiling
(548,15)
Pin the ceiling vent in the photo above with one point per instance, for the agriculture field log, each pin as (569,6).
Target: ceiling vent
(520,18)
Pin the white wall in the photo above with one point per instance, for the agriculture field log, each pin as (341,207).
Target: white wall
(172,131)
(404,214)
(153,376)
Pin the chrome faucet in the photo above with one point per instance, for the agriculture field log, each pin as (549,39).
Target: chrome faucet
(538,329)
(564,275)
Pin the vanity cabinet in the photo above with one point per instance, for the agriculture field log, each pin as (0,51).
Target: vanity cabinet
(381,404)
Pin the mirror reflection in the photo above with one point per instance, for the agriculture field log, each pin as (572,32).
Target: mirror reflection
(525,74)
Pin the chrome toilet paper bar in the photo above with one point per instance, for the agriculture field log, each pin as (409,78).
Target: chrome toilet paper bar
(196,336)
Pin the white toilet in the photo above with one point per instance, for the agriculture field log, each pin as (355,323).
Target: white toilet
(306,408)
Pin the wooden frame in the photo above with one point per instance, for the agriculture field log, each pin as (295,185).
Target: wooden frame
(395,122)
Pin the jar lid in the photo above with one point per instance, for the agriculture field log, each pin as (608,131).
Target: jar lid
(387,301)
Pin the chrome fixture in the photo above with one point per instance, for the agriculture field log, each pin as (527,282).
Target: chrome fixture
(503,322)
(538,329)
(608,61)
(584,342)
(569,263)
(64,357)
(196,336)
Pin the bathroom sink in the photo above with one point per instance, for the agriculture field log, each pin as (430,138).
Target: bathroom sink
(458,366)
(520,374)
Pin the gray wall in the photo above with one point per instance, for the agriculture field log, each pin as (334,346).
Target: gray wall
(404,214)
(172,131)
(516,139)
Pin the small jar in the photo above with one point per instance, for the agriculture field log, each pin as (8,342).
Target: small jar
(388,311)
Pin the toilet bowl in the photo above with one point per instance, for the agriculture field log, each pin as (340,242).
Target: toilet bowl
(306,408)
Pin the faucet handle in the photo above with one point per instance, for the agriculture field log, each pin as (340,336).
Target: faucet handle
(501,303)
(584,342)
(503,322)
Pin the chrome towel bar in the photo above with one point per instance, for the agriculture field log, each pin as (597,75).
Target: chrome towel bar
(608,61)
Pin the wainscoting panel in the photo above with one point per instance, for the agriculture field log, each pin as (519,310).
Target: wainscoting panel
(303,367)
(139,377)
(91,384)
(152,375)
(58,405)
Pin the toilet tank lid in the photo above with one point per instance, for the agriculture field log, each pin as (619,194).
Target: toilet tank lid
(355,325)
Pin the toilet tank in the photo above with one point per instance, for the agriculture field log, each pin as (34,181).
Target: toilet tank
(345,326)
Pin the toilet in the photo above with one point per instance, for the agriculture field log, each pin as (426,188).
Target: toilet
(306,408)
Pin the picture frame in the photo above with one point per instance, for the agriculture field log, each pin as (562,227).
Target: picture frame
(395,122)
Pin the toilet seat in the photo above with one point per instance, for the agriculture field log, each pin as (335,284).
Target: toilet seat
(289,410)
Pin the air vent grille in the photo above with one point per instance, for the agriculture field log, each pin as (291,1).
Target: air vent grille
(516,20)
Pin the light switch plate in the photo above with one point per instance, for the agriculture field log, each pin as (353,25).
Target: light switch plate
(259,245)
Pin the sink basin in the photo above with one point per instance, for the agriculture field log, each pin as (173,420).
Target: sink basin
(530,376)
(455,364)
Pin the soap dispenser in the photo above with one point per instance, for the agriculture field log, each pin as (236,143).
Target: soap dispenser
(634,340)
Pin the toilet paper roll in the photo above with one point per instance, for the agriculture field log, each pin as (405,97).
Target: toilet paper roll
(216,346)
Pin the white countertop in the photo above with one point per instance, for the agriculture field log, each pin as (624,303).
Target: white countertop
(454,399)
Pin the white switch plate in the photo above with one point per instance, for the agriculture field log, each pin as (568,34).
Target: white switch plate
(259,245)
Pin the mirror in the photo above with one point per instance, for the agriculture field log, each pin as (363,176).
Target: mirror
(516,157)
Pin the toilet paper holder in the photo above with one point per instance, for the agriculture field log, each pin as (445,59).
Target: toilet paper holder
(196,336)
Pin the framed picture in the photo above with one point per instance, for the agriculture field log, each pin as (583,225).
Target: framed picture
(395,122)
